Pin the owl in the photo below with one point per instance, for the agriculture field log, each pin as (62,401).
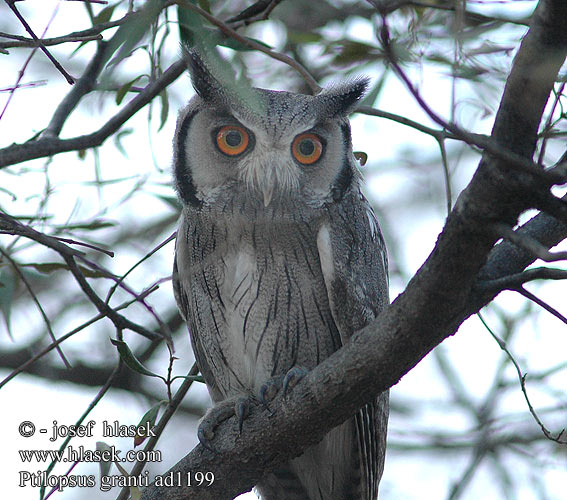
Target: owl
(279,260)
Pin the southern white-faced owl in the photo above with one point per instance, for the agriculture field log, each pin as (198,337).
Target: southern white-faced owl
(279,260)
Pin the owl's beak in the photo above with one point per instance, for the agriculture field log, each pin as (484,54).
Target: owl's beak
(268,191)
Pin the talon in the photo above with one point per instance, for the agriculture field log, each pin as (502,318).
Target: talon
(269,390)
(204,438)
(241,409)
(292,378)
(212,419)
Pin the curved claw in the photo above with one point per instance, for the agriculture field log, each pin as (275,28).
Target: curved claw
(203,439)
(269,390)
(292,378)
(212,419)
(241,410)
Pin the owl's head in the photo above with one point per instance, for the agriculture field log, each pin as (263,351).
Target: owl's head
(270,145)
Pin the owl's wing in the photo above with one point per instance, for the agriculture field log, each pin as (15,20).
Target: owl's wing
(181,291)
(354,264)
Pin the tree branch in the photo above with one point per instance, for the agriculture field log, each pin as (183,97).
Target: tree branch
(50,146)
(436,301)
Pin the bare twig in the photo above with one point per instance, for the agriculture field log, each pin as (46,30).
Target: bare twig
(27,27)
(84,85)
(10,225)
(169,411)
(143,259)
(37,303)
(103,2)
(522,378)
(61,339)
(88,245)
(391,6)
(28,85)
(513,159)
(49,146)
(529,295)
(22,41)
(514,281)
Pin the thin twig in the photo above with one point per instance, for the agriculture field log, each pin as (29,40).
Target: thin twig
(49,146)
(28,85)
(147,256)
(69,254)
(61,339)
(391,6)
(522,378)
(22,41)
(529,295)
(513,159)
(37,303)
(103,390)
(27,27)
(103,2)
(110,253)
(169,411)
(513,281)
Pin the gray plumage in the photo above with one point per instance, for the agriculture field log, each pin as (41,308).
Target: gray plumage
(279,260)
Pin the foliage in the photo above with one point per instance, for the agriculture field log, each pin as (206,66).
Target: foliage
(87,208)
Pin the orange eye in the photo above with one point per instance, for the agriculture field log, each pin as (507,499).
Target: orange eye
(232,140)
(307,148)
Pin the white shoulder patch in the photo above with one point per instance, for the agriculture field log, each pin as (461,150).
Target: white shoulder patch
(372,222)
(326,256)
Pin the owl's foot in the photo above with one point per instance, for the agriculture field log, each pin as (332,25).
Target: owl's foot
(273,386)
(216,415)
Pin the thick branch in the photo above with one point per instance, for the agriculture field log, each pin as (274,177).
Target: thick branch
(435,303)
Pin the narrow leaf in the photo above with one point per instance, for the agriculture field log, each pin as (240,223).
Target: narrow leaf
(131,361)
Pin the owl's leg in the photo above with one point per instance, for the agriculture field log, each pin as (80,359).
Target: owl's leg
(238,405)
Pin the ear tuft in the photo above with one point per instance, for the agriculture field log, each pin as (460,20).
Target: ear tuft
(204,83)
(340,100)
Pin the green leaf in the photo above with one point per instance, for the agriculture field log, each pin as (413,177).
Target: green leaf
(205,5)
(104,15)
(90,226)
(131,32)
(303,37)
(104,465)
(231,43)
(122,91)
(131,361)
(50,267)
(118,138)
(150,418)
(352,51)
(164,108)
(370,97)
(194,378)
(190,25)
